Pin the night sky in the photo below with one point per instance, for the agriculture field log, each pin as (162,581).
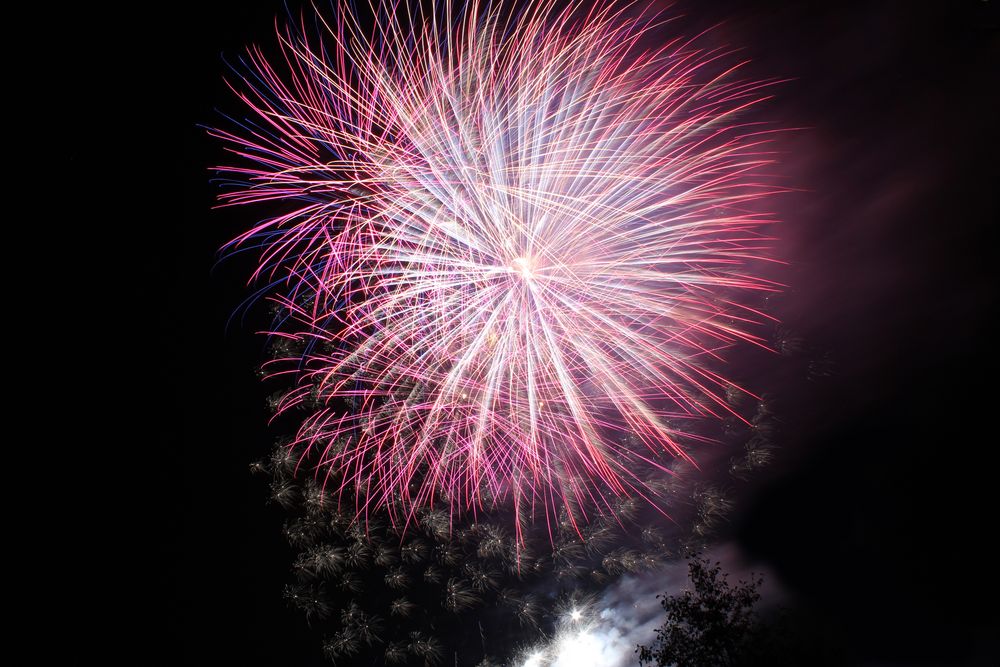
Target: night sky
(879,517)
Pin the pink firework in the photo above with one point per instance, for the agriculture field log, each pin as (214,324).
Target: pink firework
(510,243)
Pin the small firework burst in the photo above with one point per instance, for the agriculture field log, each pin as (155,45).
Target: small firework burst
(459,595)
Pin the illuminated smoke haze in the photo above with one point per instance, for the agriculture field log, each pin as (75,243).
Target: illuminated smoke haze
(627,613)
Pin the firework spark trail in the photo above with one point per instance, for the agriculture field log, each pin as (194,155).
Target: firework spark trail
(510,240)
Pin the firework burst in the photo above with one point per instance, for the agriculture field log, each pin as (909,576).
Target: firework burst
(511,246)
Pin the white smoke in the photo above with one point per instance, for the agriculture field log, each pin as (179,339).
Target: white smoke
(628,613)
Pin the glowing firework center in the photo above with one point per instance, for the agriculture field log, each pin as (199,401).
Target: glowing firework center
(523,266)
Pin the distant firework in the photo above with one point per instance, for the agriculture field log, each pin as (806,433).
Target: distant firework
(509,248)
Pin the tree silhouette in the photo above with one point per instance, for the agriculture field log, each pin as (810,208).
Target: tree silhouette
(713,624)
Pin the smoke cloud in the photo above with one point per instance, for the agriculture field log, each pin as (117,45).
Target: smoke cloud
(628,613)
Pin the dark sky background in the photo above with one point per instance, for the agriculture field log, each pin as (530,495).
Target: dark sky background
(881,516)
